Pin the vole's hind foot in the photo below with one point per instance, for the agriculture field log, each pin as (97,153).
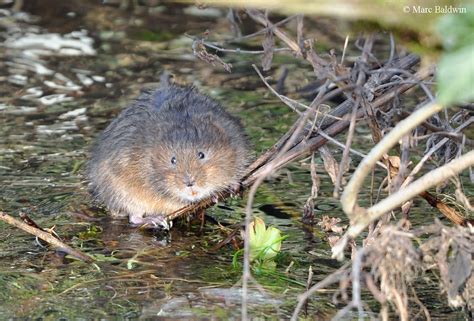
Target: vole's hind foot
(151,222)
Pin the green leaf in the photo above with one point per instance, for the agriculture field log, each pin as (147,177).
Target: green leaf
(456,76)
(264,243)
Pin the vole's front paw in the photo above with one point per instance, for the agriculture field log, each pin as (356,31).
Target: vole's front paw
(151,222)
(236,190)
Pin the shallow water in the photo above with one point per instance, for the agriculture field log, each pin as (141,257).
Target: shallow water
(52,105)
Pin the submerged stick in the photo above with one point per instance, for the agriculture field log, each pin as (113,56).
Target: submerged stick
(45,236)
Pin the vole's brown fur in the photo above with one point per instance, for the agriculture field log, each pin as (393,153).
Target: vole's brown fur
(170,147)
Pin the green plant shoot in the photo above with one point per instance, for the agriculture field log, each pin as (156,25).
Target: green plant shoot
(265,243)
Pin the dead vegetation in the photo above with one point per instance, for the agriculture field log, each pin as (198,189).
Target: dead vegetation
(376,90)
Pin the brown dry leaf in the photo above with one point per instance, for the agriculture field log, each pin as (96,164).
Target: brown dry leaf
(330,164)
(329,224)
(393,163)
(268,45)
(326,222)
(200,51)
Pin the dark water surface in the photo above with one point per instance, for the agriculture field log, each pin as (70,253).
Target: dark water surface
(53,102)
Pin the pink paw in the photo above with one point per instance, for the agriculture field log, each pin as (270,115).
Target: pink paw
(151,222)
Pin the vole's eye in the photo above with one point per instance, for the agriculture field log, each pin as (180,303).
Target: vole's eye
(173,160)
(201,155)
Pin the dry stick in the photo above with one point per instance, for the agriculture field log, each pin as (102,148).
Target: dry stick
(458,138)
(349,197)
(290,103)
(405,62)
(404,162)
(314,143)
(428,180)
(356,288)
(330,279)
(271,152)
(356,276)
(361,78)
(248,213)
(305,148)
(260,18)
(237,50)
(432,150)
(446,210)
(410,75)
(341,145)
(442,131)
(330,127)
(309,280)
(45,237)
(299,30)
(346,148)
(261,31)
(253,189)
(314,59)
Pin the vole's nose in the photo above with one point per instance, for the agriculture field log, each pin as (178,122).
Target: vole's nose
(189,181)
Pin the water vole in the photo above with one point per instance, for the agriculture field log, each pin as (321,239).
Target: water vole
(169,148)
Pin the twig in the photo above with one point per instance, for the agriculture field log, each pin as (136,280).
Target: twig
(248,209)
(432,150)
(350,135)
(330,279)
(349,197)
(262,31)
(238,50)
(428,180)
(45,237)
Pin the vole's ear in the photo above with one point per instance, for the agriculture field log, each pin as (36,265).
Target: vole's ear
(210,120)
